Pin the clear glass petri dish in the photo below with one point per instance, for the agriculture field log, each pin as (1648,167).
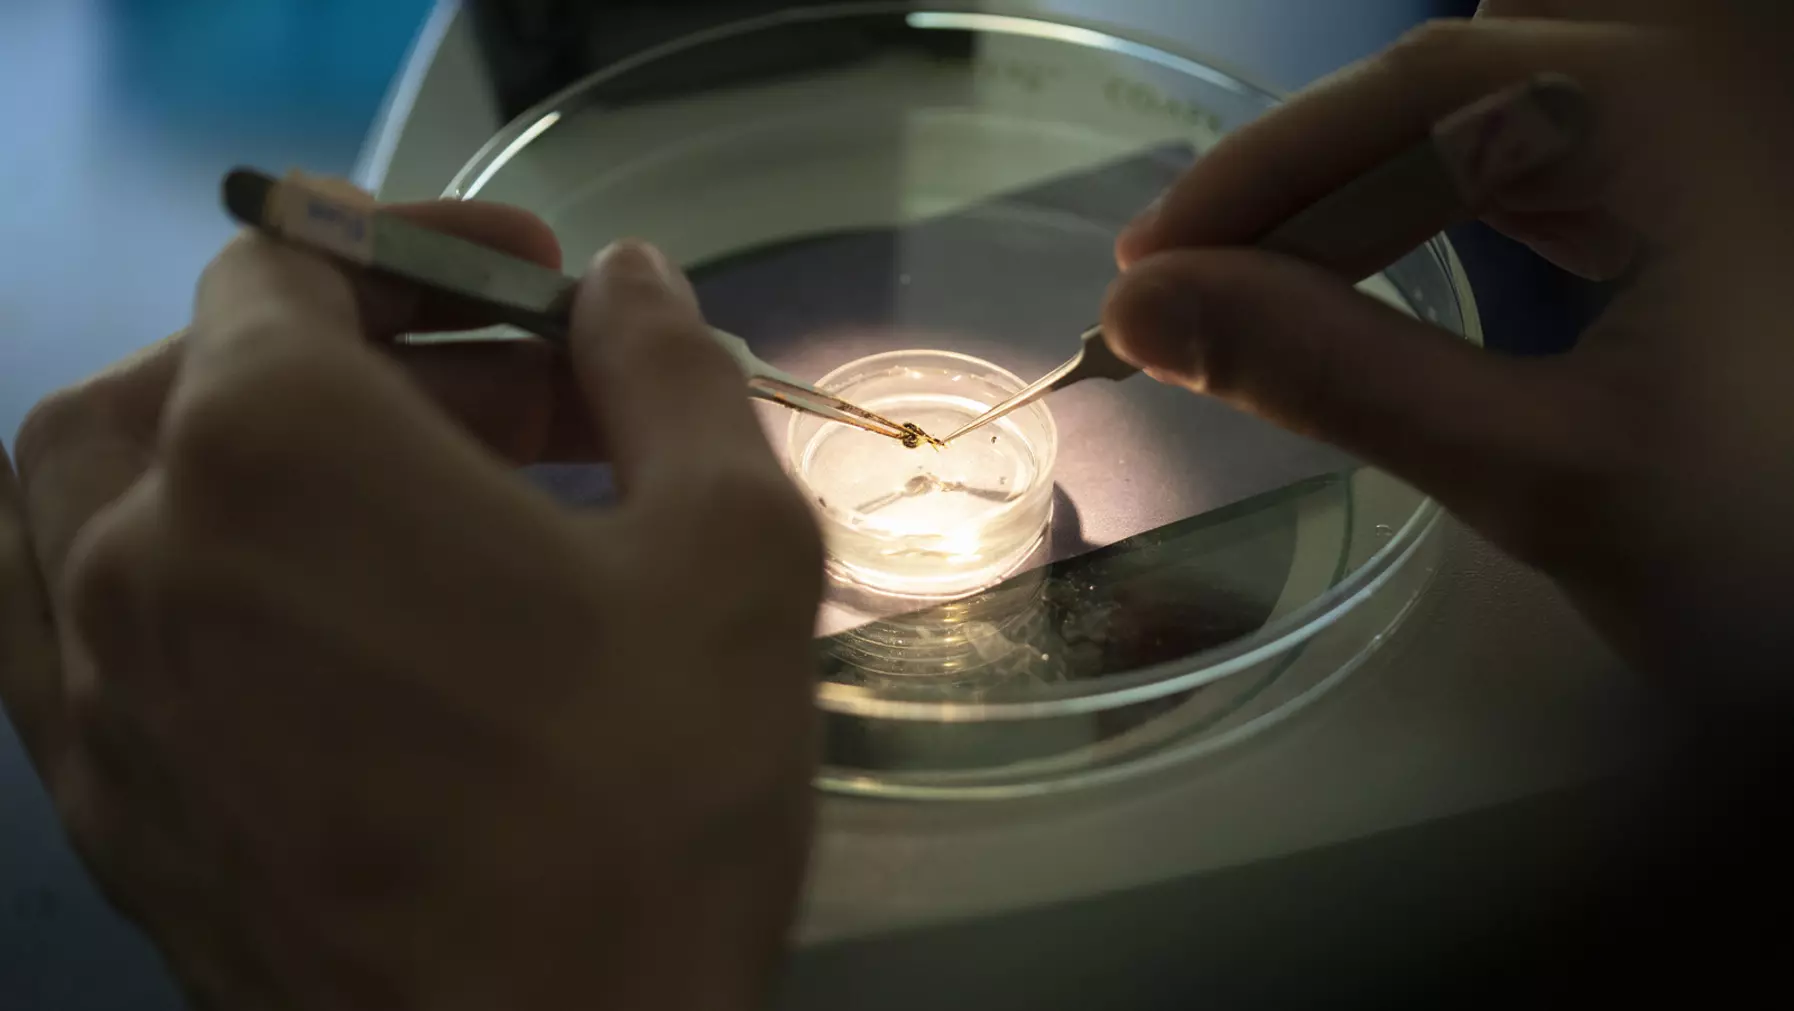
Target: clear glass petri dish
(919,522)
(848,181)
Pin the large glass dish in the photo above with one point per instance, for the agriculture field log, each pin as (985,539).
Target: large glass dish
(851,180)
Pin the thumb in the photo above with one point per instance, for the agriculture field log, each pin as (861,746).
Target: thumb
(1505,443)
(671,401)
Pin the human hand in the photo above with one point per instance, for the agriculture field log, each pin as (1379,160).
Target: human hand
(1651,469)
(347,715)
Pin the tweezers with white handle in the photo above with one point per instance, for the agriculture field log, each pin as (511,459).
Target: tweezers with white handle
(349,227)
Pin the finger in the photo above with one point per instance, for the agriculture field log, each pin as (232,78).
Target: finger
(298,293)
(1267,171)
(667,395)
(30,665)
(82,447)
(1298,346)
(519,398)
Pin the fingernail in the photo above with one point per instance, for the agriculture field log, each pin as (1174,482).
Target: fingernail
(1514,137)
(1143,223)
(643,260)
(632,256)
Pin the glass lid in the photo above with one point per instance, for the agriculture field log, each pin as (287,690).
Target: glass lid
(873,180)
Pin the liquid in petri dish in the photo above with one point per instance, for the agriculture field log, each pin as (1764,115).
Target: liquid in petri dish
(880,483)
(931,520)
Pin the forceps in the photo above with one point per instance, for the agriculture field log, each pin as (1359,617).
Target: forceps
(349,227)
(1468,157)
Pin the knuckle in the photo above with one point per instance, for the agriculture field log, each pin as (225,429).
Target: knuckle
(1430,48)
(122,401)
(100,575)
(208,435)
(238,424)
(279,275)
(125,578)
(96,575)
(217,270)
(50,422)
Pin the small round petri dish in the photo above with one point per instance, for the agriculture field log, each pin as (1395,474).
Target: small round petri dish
(843,182)
(927,521)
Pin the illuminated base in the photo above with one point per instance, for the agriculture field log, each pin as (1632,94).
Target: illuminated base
(927,522)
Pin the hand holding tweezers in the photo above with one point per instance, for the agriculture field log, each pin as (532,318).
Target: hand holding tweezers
(351,228)
(1464,161)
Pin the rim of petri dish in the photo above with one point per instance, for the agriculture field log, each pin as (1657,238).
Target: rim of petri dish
(1283,635)
(860,366)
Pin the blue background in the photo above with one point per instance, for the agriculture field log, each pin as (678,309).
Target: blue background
(121,117)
